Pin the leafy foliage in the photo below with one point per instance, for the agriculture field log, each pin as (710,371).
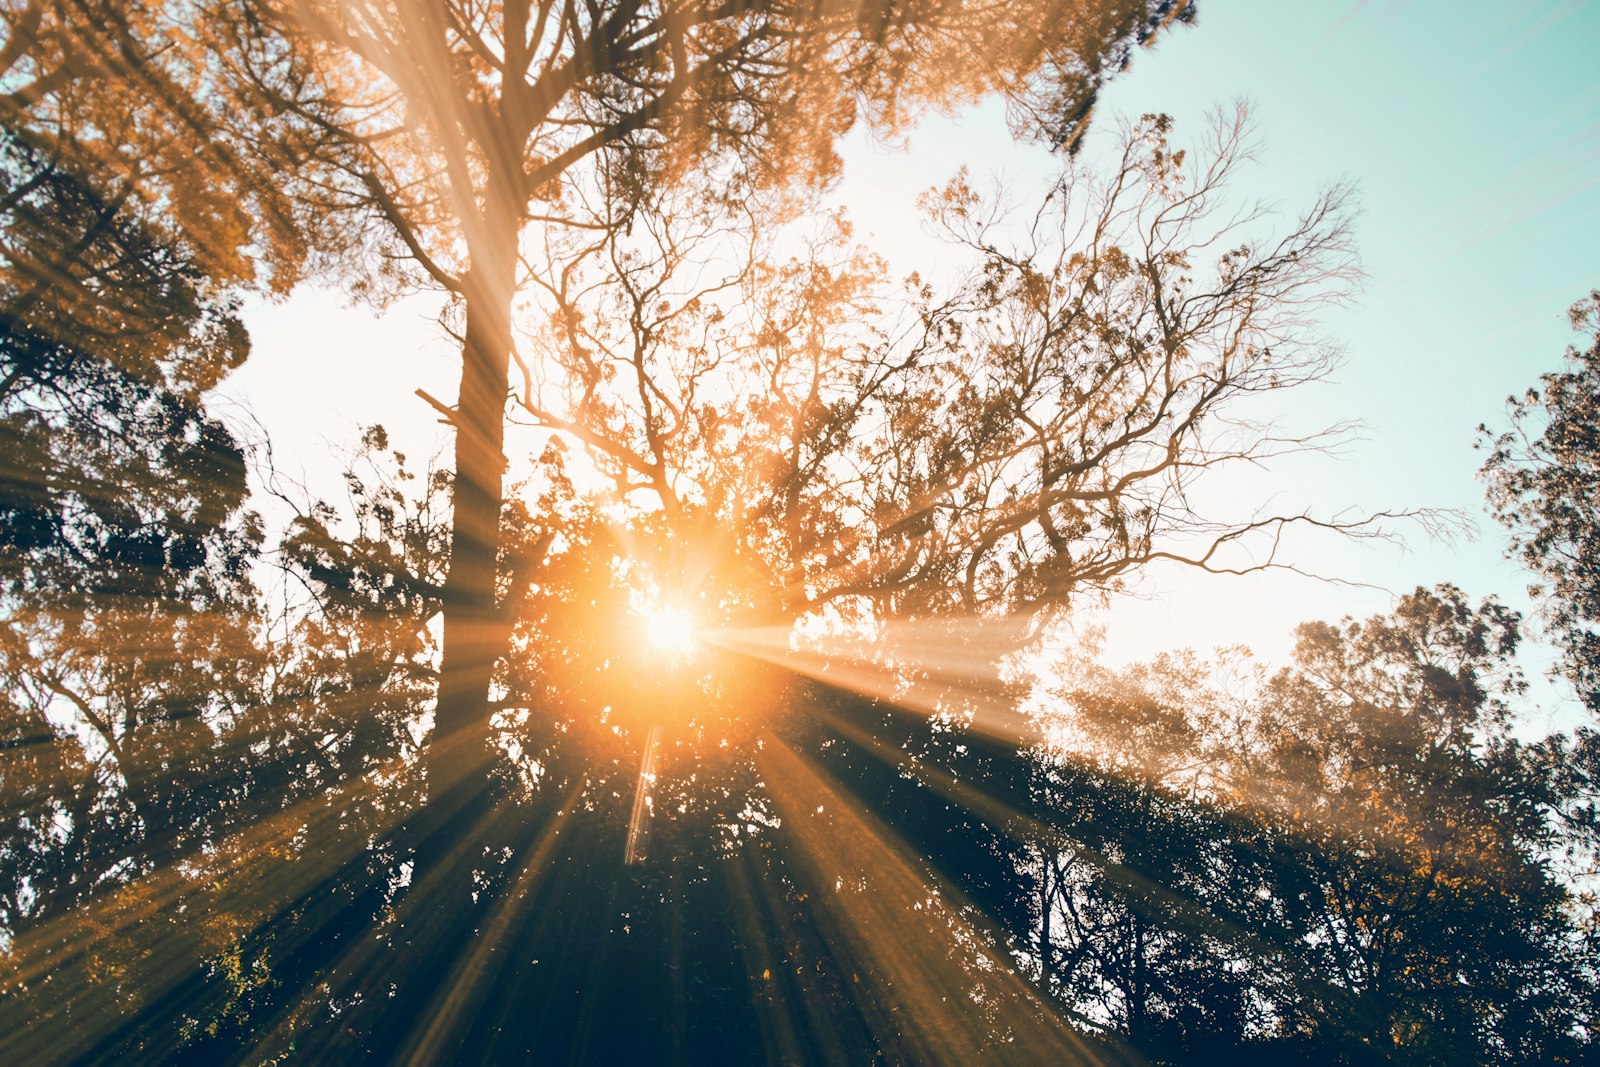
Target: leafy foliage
(124,555)
(1544,482)
(249,813)
(1028,437)
(1363,862)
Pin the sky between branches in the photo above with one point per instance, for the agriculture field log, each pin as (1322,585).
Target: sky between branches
(1473,132)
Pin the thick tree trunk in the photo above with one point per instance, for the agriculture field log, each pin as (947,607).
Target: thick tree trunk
(473,631)
(444,839)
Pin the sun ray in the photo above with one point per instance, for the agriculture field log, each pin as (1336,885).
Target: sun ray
(465,985)
(945,665)
(638,845)
(228,870)
(927,975)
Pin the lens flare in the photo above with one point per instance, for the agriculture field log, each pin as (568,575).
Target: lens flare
(669,630)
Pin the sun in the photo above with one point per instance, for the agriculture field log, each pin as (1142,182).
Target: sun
(669,629)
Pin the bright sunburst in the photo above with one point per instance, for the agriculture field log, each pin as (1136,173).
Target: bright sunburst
(669,629)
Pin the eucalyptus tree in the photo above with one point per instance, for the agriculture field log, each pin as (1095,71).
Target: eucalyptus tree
(129,226)
(130,618)
(788,435)
(1347,860)
(1543,482)
(1024,437)
(452,127)
(124,553)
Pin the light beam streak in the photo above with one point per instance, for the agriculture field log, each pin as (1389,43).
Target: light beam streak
(231,872)
(925,974)
(947,666)
(465,986)
(639,820)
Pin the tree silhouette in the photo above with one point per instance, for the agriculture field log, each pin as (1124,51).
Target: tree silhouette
(453,127)
(126,600)
(1028,437)
(1542,479)
(1345,860)
(255,804)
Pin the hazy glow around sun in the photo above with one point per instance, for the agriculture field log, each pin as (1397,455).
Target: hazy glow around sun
(669,629)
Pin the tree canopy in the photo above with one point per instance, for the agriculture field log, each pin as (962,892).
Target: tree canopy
(736,724)
(1542,479)
(1007,442)
(451,127)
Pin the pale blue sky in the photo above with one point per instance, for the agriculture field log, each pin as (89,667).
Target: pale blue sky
(1473,133)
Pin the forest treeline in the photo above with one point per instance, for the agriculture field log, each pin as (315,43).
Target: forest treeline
(397,778)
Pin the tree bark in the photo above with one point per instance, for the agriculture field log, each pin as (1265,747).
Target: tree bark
(438,917)
(474,632)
